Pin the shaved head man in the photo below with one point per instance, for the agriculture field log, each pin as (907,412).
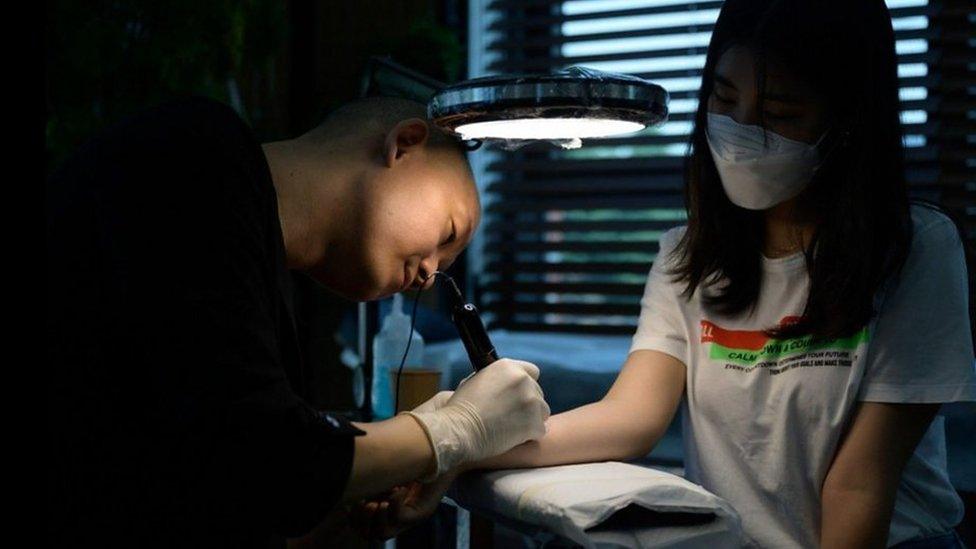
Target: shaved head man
(177,413)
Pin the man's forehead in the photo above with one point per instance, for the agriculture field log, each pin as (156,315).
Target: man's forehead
(463,184)
(458,182)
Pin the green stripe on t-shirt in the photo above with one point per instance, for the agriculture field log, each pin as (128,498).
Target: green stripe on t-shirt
(777,349)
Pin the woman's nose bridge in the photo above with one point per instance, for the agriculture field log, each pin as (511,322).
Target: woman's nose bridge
(746,111)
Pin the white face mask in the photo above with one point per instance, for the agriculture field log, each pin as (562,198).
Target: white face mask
(759,169)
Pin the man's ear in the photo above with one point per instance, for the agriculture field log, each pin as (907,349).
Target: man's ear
(407,137)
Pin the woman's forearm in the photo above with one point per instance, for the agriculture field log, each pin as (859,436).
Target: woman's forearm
(625,424)
(602,431)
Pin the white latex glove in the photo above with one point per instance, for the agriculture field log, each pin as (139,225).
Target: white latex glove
(435,402)
(499,408)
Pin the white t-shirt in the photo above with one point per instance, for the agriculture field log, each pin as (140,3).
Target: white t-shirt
(763,418)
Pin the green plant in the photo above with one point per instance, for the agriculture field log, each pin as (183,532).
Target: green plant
(106,59)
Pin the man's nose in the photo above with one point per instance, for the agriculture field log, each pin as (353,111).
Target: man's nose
(428,266)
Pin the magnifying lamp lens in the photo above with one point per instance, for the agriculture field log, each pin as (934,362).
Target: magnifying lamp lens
(547,128)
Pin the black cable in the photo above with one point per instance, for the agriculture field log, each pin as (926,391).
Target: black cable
(396,387)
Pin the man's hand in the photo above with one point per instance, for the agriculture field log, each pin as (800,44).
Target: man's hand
(435,402)
(389,514)
(500,407)
(403,507)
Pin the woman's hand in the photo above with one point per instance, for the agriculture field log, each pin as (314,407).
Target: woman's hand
(400,509)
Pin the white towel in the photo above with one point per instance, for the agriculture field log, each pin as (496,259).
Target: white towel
(581,503)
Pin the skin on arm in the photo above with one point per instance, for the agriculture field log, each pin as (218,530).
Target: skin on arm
(858,494)
(392,452)
(493,411)
(624,424)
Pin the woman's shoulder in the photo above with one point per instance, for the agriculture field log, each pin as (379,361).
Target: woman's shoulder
(671,238)
(936,242)
(936,252)
(922,342)
(667,244)
(931,224)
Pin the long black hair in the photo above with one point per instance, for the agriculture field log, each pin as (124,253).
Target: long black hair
(858,199)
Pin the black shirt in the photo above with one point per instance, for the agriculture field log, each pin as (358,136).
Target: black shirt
(174,365)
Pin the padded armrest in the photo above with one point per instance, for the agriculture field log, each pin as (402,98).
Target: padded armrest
(596,504)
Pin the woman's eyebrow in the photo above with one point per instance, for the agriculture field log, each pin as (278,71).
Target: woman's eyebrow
(724,81)
(783,97)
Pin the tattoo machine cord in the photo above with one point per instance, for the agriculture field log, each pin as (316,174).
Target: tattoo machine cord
(413,319)
(470,328)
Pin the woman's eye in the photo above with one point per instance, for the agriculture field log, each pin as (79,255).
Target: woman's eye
(721,99)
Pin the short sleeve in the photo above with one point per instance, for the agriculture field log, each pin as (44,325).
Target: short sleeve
(660,327)
(921,350)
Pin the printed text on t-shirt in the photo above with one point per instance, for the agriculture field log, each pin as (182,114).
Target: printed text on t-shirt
(754,350)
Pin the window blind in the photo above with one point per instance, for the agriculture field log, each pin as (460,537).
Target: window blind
(570,235)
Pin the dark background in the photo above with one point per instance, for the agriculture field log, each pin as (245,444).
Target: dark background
(281,65)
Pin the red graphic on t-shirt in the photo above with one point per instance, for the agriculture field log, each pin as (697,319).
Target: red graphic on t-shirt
(751,340)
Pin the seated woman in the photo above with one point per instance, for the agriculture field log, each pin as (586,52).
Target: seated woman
(809,320)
